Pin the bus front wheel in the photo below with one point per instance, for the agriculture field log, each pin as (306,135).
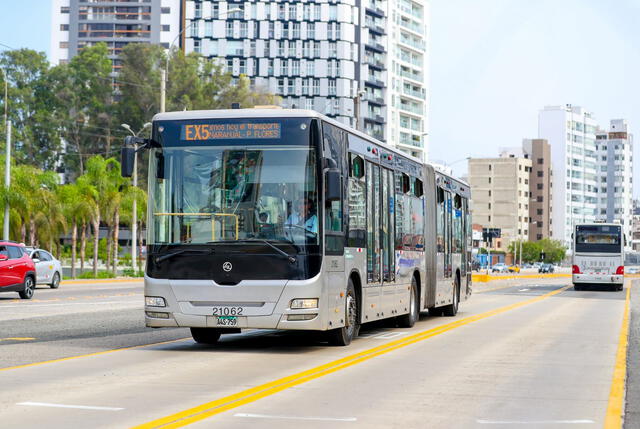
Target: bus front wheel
(408,320)
(205,335)
(343,336)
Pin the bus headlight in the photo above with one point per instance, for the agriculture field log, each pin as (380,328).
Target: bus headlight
(154,301)
(301,304)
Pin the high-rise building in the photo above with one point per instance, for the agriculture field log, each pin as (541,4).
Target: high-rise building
(540,188)
(615,168)
(80,23)
(500,195)
(361,62)
(570,130)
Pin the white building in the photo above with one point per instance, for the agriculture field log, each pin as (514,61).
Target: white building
(615,167)
(327,56)
(570,130)
(79,23)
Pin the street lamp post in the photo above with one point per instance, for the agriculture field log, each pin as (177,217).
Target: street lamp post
(164,74)
(134,214)
(7,171)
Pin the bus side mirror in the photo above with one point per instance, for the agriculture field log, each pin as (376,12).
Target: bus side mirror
(333,185)
(127,154)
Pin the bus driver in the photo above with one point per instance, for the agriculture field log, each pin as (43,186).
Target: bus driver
(305,216)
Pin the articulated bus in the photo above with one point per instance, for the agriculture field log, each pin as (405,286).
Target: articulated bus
(598,255)
(287,219)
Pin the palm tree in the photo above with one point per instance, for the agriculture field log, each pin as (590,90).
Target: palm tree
(103,175)
(77,207)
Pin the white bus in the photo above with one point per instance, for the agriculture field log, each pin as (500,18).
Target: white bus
(598,255)
(286,219)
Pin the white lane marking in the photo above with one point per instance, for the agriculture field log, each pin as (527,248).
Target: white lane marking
(79,407)
(523,290)
(62,304)
(534,422)
(324,419)
(390,335)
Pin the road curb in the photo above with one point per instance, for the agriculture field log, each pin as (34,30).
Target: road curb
(484,278)
(93,281)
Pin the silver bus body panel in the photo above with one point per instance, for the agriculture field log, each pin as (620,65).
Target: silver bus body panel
(266,304)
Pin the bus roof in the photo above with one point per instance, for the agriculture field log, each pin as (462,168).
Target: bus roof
(279,113)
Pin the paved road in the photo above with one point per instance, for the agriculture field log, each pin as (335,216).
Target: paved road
(534,355)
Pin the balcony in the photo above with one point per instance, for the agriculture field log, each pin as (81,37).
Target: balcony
(374,11)
(377,47)
(375,63)
(374,82)
(376,119)
(375,100)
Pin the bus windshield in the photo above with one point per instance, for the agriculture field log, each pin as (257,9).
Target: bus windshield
(207,194)
(598,239)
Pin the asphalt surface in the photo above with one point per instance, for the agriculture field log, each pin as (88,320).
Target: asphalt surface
(527,353)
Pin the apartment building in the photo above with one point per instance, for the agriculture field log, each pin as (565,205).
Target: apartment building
(80,23)
(540,188)
(570,131)
(500,195)
(615,169)
(361,62)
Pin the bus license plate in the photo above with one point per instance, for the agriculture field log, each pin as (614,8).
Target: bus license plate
(227,321)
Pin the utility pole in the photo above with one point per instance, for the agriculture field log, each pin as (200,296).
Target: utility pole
(7,183)
(163,94)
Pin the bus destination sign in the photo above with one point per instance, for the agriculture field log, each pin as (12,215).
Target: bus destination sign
(246,130)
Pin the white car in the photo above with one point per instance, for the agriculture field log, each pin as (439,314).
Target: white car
(500,268)
(48,268)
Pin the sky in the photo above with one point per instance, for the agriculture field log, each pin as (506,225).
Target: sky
(493,65)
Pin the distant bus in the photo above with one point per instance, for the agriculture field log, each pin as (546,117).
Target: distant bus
(287,219)
(598,255)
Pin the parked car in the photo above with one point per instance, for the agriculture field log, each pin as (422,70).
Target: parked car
(17,270)
(546,268)
(48,268)
(499,268)
(514,269)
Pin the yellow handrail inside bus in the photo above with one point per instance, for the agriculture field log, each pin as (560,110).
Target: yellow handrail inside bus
(213,217)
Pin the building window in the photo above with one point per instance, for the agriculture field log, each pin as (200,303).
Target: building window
(165,10)
(540,161)
(311,31)
(196,46)
(214,10)
(64,45)
(229,28)
(64,27)
(198,10)
(332,87)
(168,27)
(64,9)
(310,69)
(540,173)
(316,86)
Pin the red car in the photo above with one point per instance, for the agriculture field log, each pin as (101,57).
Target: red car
(17,270)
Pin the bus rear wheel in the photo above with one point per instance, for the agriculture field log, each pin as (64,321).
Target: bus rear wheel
(205,335)
(343,336)
(408,320)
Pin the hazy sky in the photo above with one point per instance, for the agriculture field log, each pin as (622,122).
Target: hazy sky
(494,64)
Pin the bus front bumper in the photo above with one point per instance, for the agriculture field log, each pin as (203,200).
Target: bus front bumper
(182,310)
(598,278)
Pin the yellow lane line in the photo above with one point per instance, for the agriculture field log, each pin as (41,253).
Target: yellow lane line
(17,339)
(253,394)
(616,395)
(92,354)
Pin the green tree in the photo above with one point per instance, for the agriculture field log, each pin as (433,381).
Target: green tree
(35,133)
(84,95)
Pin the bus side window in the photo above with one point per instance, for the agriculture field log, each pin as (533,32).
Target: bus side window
(440,221)
(357,224)
(334,148)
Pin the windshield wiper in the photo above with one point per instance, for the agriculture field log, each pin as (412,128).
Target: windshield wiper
(180,252)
